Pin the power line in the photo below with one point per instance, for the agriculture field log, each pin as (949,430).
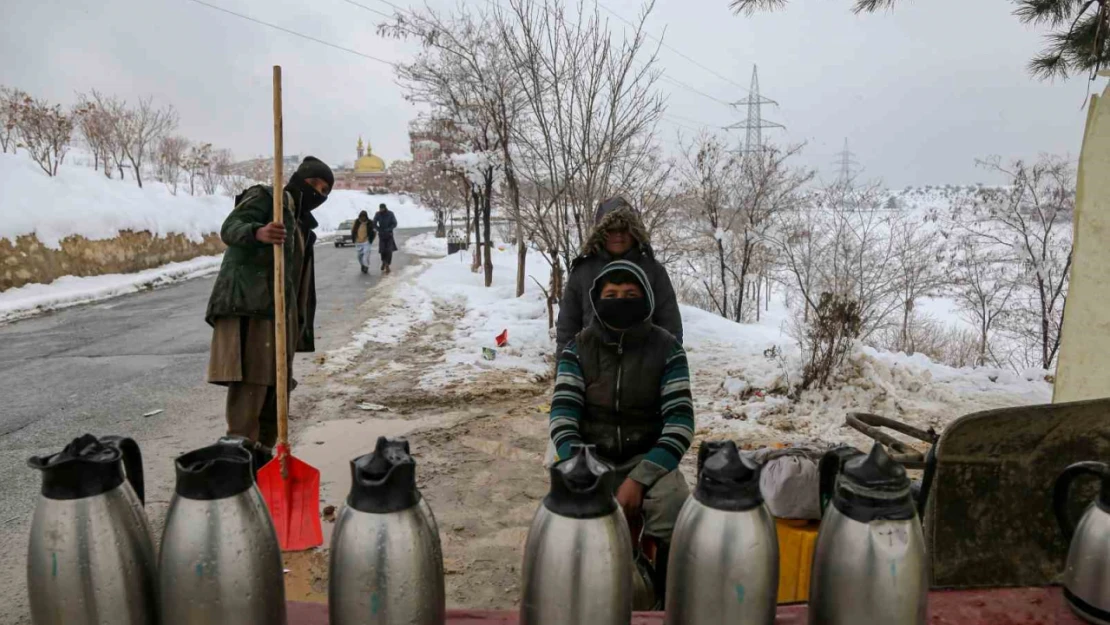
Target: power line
(366,8)
(294,33)
(695,121)
(671,121)
(671,48)
(662,73)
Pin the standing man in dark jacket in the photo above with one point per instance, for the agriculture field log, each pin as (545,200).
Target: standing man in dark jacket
(385,222)
(362,233)
(618,234)
(241,307)
(623,385)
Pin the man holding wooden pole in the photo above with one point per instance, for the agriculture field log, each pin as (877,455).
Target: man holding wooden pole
(241,308)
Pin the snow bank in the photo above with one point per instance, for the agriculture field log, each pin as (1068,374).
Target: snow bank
(426,245)
(487,312)
(345,205)
(71,290)
(81,201)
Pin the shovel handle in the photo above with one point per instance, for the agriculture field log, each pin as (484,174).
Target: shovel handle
(280,346)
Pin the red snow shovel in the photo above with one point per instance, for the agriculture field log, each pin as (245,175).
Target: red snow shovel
(290,487)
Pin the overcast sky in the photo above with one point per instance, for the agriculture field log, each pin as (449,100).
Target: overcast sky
(920,92)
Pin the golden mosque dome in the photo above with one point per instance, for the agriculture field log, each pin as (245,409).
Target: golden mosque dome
(368,163)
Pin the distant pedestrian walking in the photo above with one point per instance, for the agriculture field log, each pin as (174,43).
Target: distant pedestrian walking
(362,233)
(385,222)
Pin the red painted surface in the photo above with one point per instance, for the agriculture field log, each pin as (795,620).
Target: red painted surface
(1003,606)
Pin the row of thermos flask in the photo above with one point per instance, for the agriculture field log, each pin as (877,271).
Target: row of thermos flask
(92,561)
(869,564)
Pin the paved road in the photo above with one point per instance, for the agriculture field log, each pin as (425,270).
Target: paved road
(100,368)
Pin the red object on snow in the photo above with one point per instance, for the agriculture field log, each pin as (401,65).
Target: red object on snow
(503,338)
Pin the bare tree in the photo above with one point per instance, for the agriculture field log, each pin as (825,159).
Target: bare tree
(9,107)
(769,187)
(462,73)
(985,286)
(170,159)
(222,174)
(712,184)
(592,109)
(841,257)
(216,167)
(197,163)
(140,130)
(921,268)
(1029,222)
(45,131)
(95,125)
(113,116)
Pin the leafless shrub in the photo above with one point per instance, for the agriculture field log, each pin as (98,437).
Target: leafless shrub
(45,131)
(170,159)
(827,338)
(9,103)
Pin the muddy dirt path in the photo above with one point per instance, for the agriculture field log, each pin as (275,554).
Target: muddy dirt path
(478,444)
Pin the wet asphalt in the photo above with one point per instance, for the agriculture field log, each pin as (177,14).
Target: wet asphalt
(135,366)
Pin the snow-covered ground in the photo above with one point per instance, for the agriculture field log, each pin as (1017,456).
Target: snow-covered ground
(741,371)
(81,201)
(426,245)
(72,290)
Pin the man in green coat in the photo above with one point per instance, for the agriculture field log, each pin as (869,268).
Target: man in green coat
(241,307)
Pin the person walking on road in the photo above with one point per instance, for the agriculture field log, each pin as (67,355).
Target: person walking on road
(362,233)
(241,307)
(386,222)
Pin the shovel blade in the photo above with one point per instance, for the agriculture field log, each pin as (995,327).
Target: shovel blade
(293,500)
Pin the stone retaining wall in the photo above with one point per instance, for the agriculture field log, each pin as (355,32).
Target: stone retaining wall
(28,260)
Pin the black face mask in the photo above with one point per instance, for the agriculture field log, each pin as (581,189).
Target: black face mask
(623,314)
(309,197)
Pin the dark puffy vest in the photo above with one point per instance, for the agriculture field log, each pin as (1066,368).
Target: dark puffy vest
(622,415)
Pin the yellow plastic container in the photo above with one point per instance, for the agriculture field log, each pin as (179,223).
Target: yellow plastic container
(797,540)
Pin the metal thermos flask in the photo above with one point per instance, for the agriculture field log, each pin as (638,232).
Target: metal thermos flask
(386,562)
(91,558)
(579,549)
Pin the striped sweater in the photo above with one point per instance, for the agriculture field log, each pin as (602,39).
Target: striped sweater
(568,408)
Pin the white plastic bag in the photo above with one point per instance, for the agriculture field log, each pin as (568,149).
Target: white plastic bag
(791,485)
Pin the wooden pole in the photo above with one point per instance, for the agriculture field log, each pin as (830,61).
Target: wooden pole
(281,348)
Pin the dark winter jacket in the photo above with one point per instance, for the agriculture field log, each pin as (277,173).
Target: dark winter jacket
(575,307)
(626,392)
(385,222)
(370,231)
(244,286)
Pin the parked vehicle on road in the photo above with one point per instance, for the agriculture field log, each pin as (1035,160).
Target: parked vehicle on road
(343,237)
